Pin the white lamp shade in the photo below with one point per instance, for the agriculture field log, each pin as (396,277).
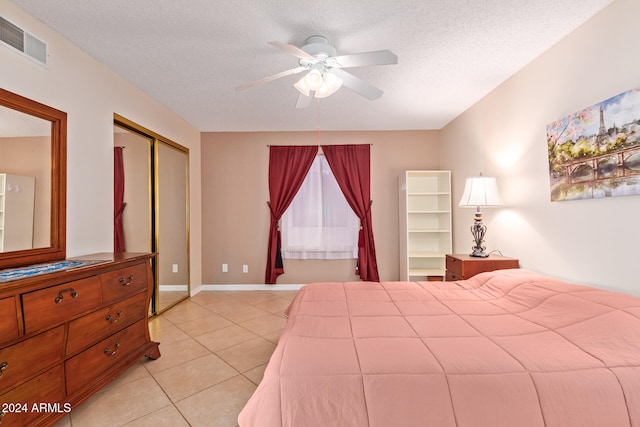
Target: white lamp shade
(480,191)
(301,85)
(313,79)
(322,84)
(322,92)
(331,83)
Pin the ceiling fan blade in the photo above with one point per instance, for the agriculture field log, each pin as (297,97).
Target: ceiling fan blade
(303,100)
(379,57)
(271,78)
(293,50)
(358,85)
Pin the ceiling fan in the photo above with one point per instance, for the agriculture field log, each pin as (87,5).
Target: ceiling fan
(326,72)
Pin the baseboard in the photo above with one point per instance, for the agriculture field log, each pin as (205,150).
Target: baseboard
(172,288)
(251,287)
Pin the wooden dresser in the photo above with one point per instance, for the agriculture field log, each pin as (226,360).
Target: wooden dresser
(462,267)
(64,335)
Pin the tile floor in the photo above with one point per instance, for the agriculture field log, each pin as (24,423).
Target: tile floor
(214,346)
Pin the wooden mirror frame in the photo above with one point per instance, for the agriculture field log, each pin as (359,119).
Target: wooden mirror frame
(58,231)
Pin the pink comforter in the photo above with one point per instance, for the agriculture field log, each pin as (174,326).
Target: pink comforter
(507,348)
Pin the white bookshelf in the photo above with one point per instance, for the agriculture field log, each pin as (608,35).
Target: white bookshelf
(16,212)
(425,224)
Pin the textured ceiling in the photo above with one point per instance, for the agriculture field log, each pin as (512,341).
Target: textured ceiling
(191,54)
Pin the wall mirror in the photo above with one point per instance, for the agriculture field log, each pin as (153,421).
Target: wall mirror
(33,141)
(156,213)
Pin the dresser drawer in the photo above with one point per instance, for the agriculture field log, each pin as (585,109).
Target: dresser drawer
(45,388)
(21,360)
(88,366)
(57,304)
(123,283)
(454,266)
(452,277)
(9,328)
(95,326)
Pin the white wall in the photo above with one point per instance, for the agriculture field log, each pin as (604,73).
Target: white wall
(504,135)
(90,94)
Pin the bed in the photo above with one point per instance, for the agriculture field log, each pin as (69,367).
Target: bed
(504,348)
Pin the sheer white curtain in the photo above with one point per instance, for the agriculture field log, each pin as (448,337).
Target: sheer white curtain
(319,224)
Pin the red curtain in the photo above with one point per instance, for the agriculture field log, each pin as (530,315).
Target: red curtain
(118,200)
(350,165)
(288,166)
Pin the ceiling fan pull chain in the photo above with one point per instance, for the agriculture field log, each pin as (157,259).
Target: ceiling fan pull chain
(318,118)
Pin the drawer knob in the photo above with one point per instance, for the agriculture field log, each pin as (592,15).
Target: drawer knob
(124,282)
(60,296)
(108,351)
(112,319)
(3,366)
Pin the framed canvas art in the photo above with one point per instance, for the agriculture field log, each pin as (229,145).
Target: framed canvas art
(595,152)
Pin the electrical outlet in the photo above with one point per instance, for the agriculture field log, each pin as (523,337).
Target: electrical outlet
(174,268)
(245,268)
(225,268)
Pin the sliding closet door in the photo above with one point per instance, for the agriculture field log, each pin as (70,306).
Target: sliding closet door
(156,215)
(172,223)
(136,216)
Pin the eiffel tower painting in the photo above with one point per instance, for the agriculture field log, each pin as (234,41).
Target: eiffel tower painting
(603,137)
(589,160)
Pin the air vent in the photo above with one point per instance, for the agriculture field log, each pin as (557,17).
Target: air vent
(25,43)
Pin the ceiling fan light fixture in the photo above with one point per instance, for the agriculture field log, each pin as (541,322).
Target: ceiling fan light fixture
(302,87)
(322,92)
(331,83)
(313,79)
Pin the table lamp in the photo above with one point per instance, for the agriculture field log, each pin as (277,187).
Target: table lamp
(480,191)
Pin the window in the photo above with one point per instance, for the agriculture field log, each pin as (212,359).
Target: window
(319,223)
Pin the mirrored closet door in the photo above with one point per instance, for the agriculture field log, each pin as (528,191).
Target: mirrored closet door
(172,224)
(156,207)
